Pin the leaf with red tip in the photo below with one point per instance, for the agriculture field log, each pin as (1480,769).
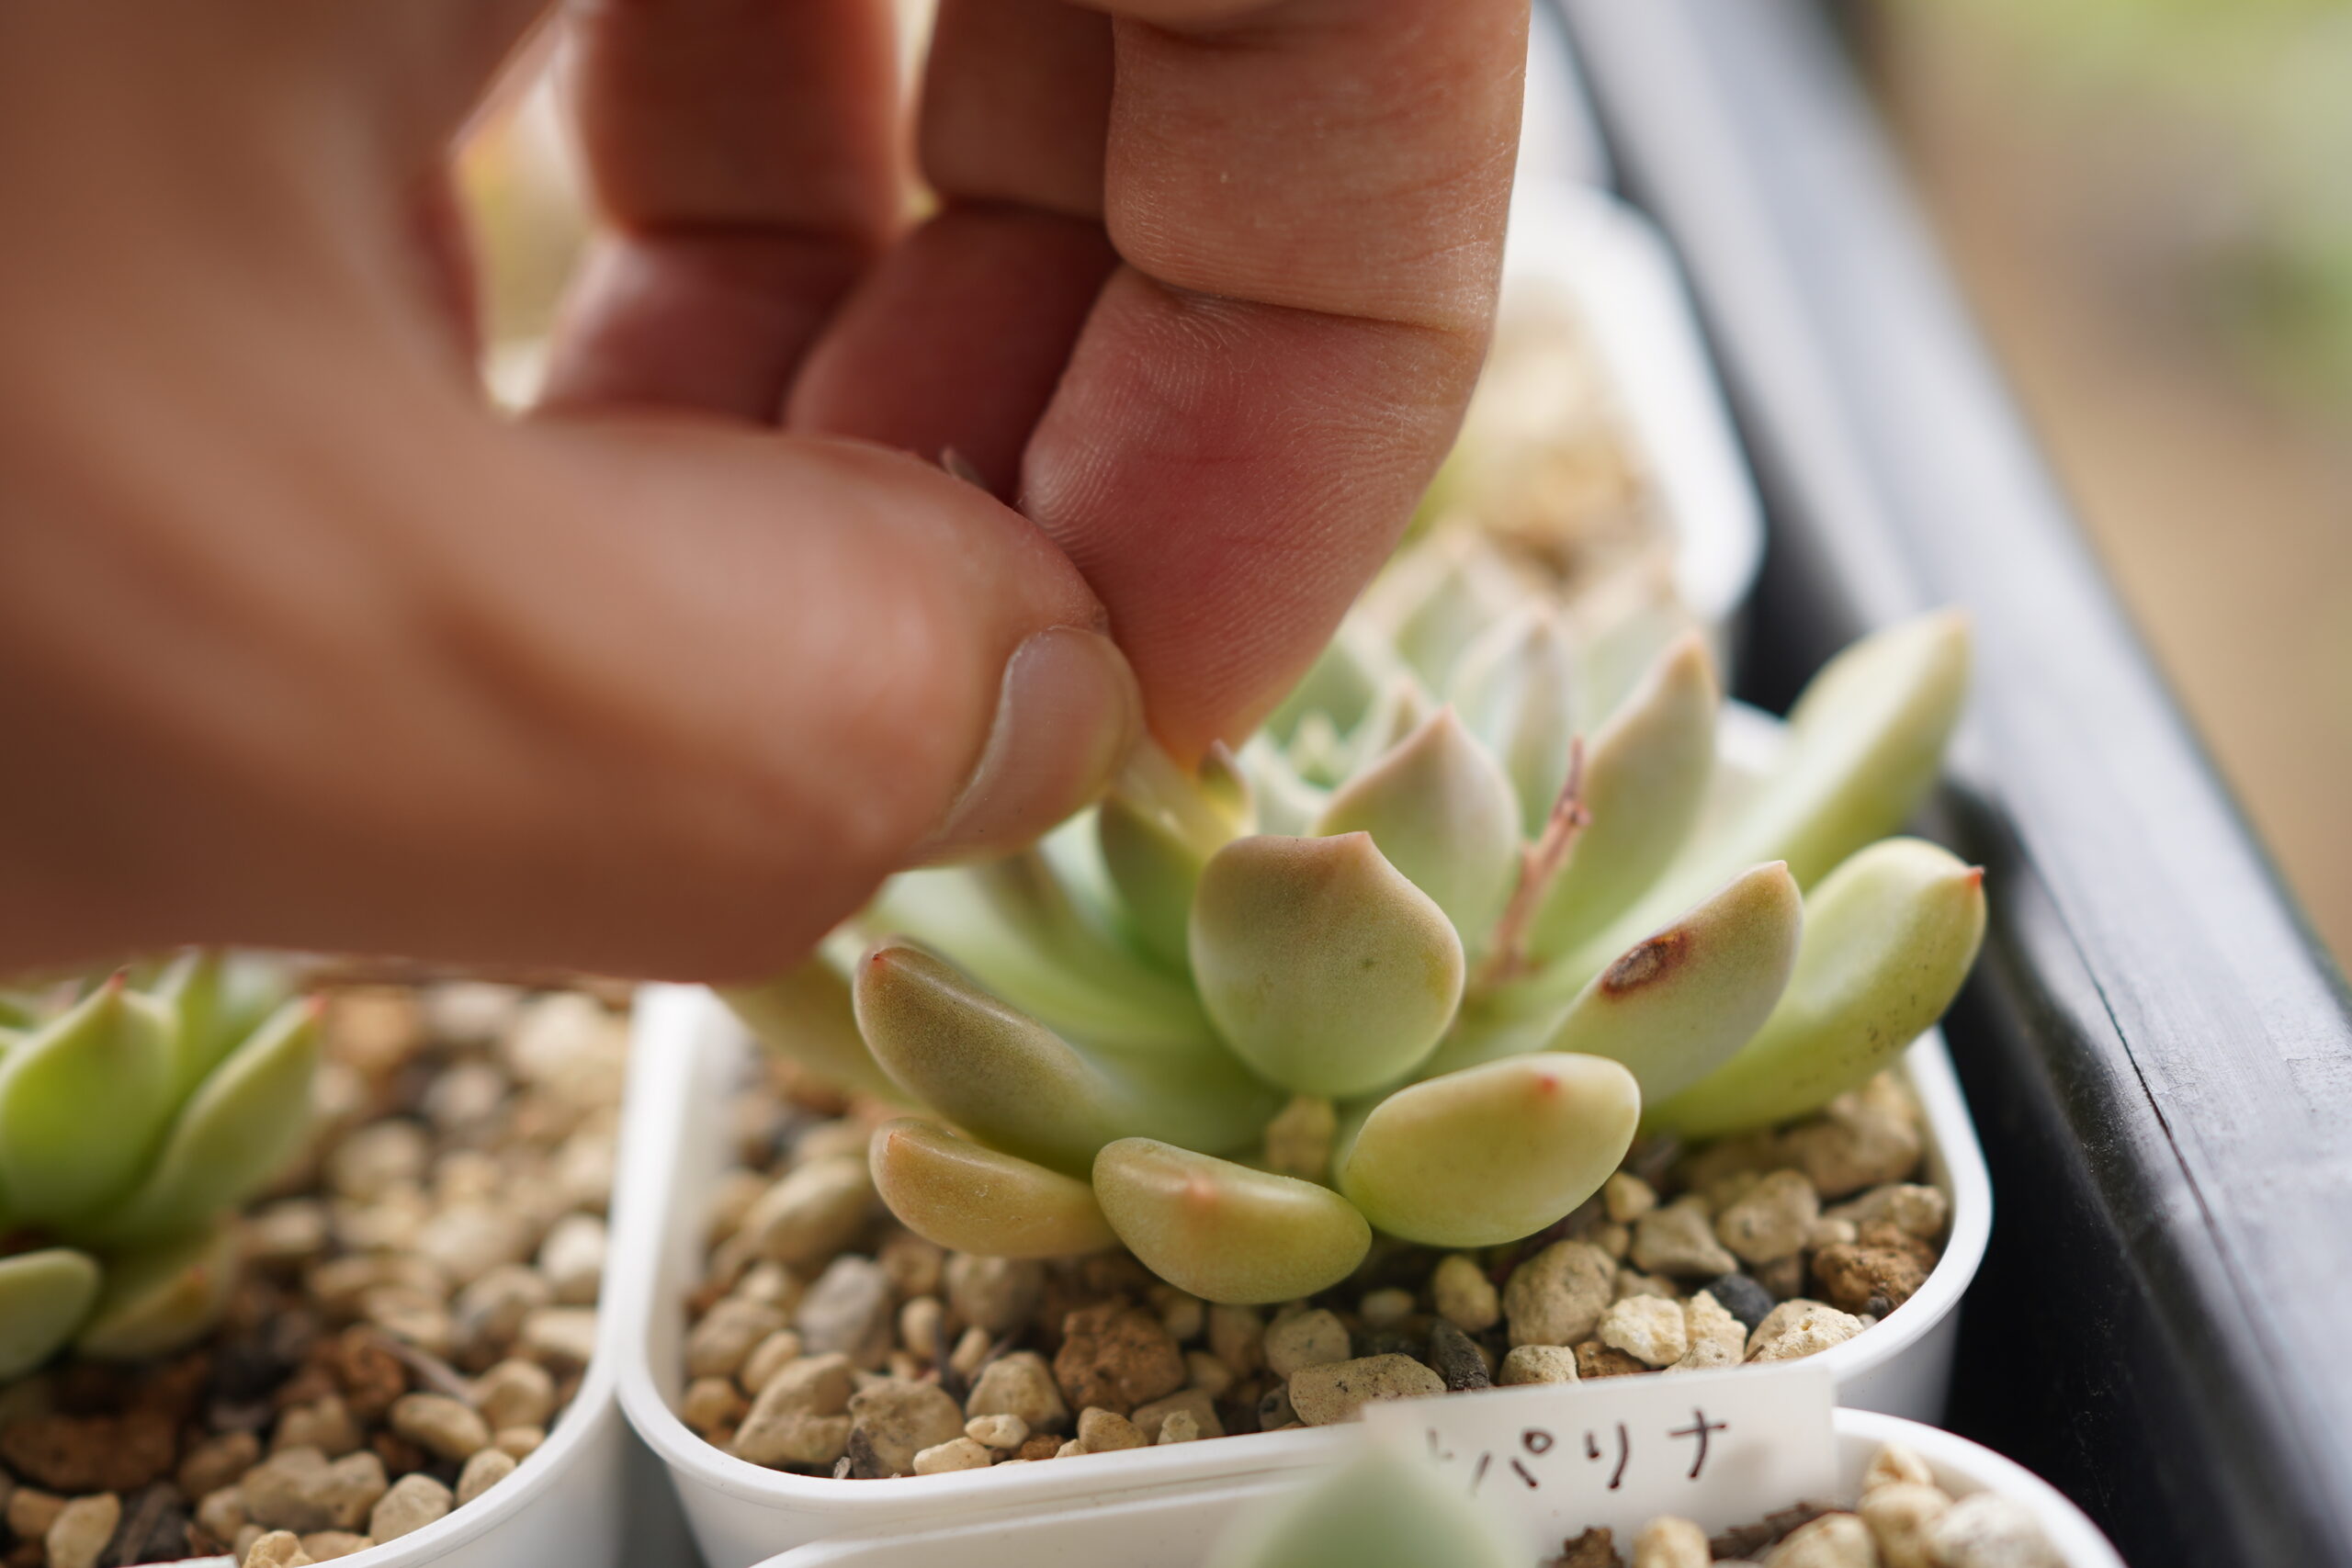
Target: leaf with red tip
(1222,1231)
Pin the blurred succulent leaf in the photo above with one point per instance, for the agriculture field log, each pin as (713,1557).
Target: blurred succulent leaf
(1645,781)
(1155,869)
(44,1296)
(1442,814)
(1377,1512)
(1223,1231)
(1515,687)
(1287,804)
(1318,752)
(1889,937)
(1863,744)
(1681,1002)
(806,1014)
(235,1132)
(1340,686)
(1323,967)
(1442,597)
(1021,1086)
(1492,1153)
(162,1299)
(965,1196)
(217,1000)
(82,1103)
(1403,706)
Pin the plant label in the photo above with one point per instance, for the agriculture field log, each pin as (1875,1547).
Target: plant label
(1720,1448)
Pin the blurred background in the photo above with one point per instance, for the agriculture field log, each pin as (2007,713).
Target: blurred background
(2149,205)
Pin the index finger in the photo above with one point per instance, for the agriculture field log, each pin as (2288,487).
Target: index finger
(1309,197)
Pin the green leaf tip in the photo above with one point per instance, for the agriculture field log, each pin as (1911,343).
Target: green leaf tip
(1377,1512)
(1442,814)
(1889,939)
(1222,1231)
(970,1197)
(1492,1153)
(1322,966)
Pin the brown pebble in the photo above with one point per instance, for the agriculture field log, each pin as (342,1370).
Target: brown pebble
(31,1512)
(1862,1278)
(326,1546)
(399,1455)
(80,1454)
(1593,1548)
(1115,1357)
(1753,1541)
(366,1371)
(1044,1445)
(1595,1360)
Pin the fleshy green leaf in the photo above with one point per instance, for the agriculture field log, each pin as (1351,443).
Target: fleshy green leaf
(806,1014)
(1223,1231)
(160,1300)
(1889,937)
(1340,686)
(82,1103)
(1442,597)
(217,1001)
(1493,1152)
(1679,1003)
(1442,814)
(1515,687)
(237,1132)
(972,1199)
(1402,706)
(1015,926)
(44,1296)
(1378,1512)
(1015,1083)
(1645,781)
(1157,828)
(1862,747)
(1323,967)
(1286,803)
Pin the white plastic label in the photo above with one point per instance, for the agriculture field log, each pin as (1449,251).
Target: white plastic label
(1722,1448)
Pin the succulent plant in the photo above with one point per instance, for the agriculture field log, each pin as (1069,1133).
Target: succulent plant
(1375,1511)
(131,1121)
(1401,964)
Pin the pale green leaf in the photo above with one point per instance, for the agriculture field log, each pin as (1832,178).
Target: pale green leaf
(970,1197)
(1222,1231)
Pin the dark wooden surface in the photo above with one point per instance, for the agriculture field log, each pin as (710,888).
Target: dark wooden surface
(2158,1055)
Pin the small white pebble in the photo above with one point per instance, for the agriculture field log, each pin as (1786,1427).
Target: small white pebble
(1381,1308)
(1895,1462)
(1179,1428)
(1668,1542)
(482,1472)
(1627,1198)
(1464,1295)
(998,1431)
(956,1453)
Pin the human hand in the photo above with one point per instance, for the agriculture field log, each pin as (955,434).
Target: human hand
(300,645)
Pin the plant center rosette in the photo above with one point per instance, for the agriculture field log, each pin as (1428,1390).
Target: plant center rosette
(1363,1023)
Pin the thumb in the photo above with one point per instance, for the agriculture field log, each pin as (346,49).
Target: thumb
(630,697)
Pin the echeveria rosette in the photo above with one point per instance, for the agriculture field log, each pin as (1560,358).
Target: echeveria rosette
(1420,959)
(130,1122)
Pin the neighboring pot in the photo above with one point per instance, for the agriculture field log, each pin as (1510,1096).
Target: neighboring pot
(675,1144)
(1613,269)
(1176,1528)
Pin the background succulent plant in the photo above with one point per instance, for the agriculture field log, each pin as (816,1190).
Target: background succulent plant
(1408,965)
(132,1120)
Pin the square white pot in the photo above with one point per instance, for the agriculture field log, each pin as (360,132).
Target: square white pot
(684,1065)
(1175,1530)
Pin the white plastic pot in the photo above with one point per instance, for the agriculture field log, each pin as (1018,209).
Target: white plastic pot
(1175,1530)
(1613,269)
(675,1144)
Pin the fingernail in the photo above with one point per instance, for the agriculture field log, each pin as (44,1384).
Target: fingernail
(1067,715)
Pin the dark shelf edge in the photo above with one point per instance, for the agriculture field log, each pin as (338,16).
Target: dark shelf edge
(2158,1052)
